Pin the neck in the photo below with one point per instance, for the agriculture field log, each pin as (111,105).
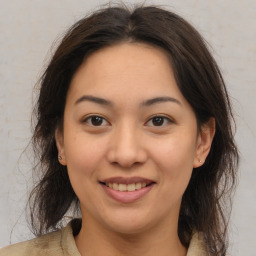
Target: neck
(162,240)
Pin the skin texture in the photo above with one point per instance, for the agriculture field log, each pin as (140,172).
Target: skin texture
(126,144)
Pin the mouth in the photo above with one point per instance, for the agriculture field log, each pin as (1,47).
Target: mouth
(127,187)
(127,190)
(128,184)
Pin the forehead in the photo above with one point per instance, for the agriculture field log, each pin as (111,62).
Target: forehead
(134,69)
(128,53)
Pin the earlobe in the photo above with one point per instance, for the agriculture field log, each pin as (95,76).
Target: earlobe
(205,139)
(60,146)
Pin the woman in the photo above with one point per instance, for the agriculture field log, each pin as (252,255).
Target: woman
(133,131)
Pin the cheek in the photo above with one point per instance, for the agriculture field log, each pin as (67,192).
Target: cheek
(175,168)
(83,157)
(176,151)
(175,157)
(83,154)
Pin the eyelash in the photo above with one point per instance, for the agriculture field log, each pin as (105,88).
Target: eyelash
(86,120)
(165,121)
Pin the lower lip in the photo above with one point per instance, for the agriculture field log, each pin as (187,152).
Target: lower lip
(127,197)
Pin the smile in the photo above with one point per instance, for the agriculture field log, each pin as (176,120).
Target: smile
(129,187)
(127,190)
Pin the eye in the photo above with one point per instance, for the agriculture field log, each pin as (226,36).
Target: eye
(96,121)
(159,121)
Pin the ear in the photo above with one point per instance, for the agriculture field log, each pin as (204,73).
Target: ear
(204,142)
(60,146)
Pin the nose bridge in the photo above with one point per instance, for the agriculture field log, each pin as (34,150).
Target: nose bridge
(126,147)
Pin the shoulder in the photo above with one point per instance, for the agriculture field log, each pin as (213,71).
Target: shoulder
(56,243)
(197,246)
(49,244)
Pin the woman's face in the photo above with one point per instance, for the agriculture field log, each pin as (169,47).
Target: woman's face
(130,139)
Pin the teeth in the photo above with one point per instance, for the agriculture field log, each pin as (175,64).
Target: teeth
(131,187)
(115,186)
(124,187)
(138,186)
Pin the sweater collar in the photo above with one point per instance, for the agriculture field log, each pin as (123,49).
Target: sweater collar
(196,246)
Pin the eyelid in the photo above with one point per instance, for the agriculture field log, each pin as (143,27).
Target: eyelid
(169,119)
(107,123)
(87,117)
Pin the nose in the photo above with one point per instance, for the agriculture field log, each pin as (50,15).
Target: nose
(126,148)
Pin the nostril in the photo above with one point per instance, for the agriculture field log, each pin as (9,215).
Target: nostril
(126,164)
(126,152)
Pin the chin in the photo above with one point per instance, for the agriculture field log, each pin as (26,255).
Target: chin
(128,224)
(129,228)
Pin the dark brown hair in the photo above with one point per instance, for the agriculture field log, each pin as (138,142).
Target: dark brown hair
(200,81)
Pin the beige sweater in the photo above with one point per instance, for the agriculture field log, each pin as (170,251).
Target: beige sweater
(62,243)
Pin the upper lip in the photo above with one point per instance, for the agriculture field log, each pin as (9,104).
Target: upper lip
(127,180)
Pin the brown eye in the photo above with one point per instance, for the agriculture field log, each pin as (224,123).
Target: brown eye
(96,121)
(159,121)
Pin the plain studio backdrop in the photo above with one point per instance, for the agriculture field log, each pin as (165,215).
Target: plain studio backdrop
(28,30)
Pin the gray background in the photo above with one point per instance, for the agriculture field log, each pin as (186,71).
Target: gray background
(27,31)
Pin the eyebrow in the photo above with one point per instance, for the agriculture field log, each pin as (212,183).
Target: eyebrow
(157,100)
(146,103)
(94,99)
